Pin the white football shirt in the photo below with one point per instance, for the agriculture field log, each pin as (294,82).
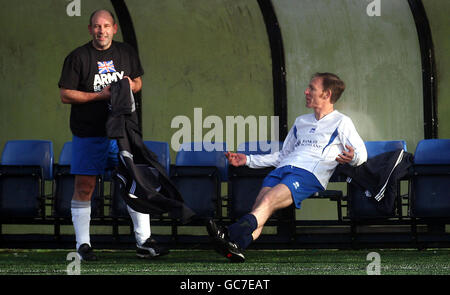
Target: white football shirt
(313,145)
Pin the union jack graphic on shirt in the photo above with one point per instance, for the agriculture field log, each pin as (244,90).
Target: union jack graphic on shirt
(106,67)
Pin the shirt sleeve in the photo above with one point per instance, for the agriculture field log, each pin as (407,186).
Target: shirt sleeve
(349,136)
(262,161)
(71,73)
(273,159)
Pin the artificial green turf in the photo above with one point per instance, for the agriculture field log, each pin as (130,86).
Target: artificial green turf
(207,262)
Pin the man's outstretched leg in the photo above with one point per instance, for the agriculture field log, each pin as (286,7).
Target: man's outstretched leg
(231,241)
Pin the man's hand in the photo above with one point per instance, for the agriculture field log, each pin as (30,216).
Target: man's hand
(135,84)
(236,159)
(130,81)
(346,156)
(105,93)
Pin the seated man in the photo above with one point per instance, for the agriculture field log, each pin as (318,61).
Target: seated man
(314,146)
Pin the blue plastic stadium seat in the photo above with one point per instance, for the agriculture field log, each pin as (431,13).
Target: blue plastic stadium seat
(64,187)
(25,165)
(30,152)
(208,154)
(374,148)
(359,205)
(161,149)
(198,173)
(432,152)
(430,184)
(65,157)
(245,183)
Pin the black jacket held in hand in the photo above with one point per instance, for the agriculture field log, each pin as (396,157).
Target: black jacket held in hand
(379,176)
(144,184)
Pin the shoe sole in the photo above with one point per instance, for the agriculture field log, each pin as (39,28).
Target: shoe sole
(220,248)
(224,251)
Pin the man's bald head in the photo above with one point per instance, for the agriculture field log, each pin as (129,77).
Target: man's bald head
(102,11)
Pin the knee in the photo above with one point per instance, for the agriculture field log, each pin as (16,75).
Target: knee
(83,191)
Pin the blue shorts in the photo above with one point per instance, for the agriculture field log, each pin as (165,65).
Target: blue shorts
(93,155)
(300,182)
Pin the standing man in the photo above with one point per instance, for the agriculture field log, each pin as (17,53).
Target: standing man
(313,148)
(84,83)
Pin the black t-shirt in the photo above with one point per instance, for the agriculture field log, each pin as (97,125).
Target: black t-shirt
(88,69)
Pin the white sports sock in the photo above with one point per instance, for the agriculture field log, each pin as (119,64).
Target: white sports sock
(141,223)
(81,218)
